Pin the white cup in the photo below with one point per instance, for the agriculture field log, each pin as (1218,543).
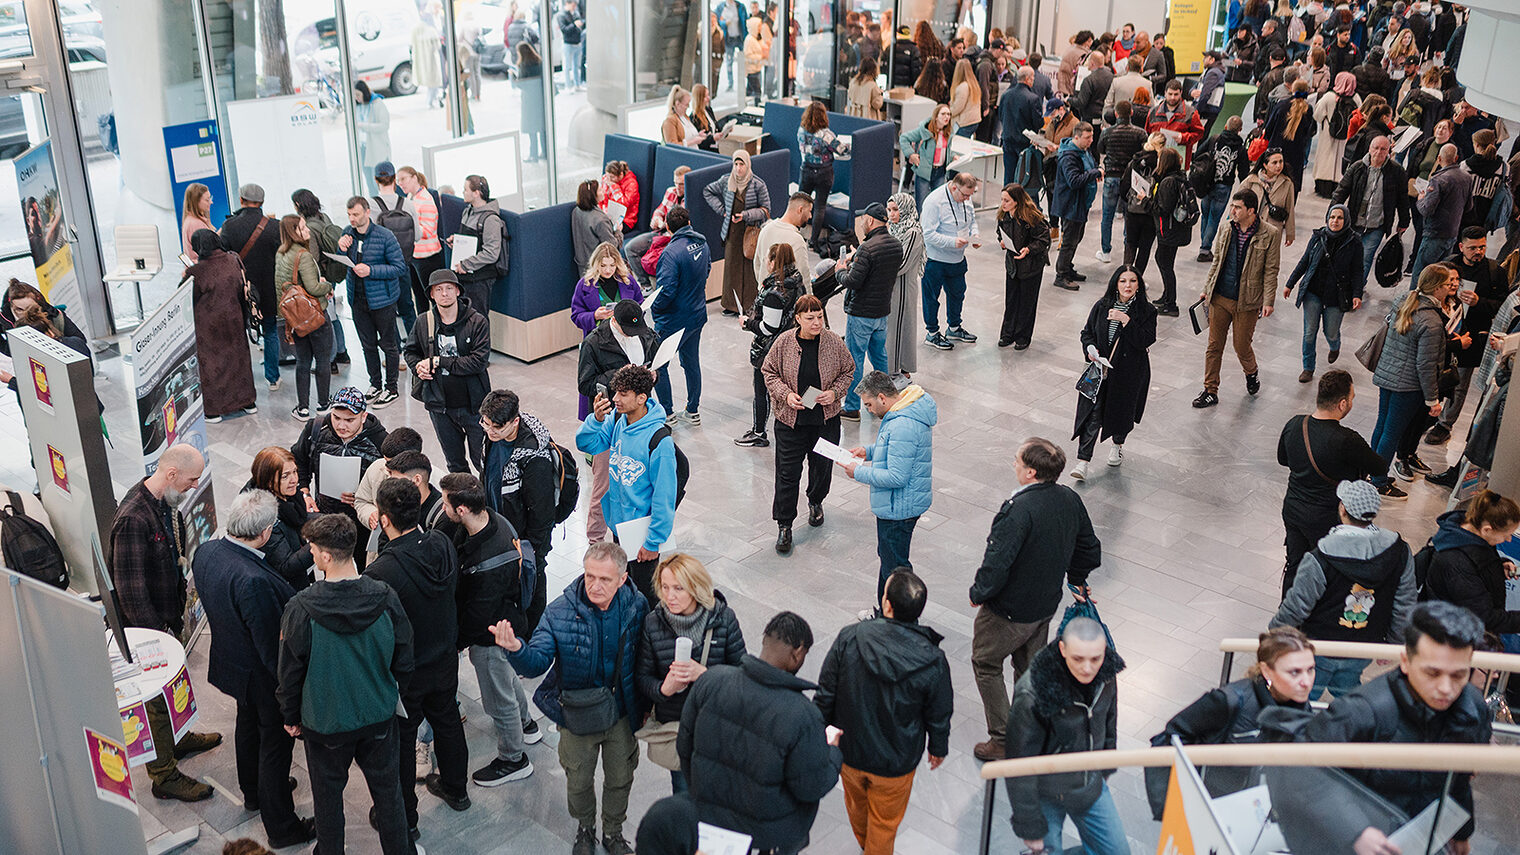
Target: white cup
(683,649)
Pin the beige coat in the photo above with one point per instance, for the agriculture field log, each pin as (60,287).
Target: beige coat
(1280,193)
(1328,151)
(964,109)
(1258,276)
(866,100)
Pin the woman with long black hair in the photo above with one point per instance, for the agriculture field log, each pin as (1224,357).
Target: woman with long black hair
(1119,332)
(1024,234)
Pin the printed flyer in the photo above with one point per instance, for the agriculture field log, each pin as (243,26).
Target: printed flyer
(108,761)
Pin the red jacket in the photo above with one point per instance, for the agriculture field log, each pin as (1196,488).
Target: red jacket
(624,191)
(1184,120)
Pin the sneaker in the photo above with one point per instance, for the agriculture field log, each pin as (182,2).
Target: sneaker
(1305,376)
(181,787)
(815,514)
(502,771)
(195,743)
(324,408)
(383,400)
(1446,479)
(753,439)
(1205,399)
(1116,456)
(1065,284)
(960,334)
(850,415)
(938,341)
(616,845)
(691,418)
(300,413)
(213,420)
(1253,383)
(1005,342)
(670,420)
(274,385)
(1391,492)
(1021,345)
(1415,464)
(1205,255)
(1079,472)
(434,785)
(783,539)
(532,735)
(585,842)
(250,410)
(1439,434)
(424,760)
(992,749)
(1402,471)
(730,313)
(335,370)
(373,393)
(1103,257)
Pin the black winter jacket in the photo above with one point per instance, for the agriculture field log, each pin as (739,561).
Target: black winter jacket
(871,275)
(753,748)
(657,650)
(1169,230)
(1387,710)
(472,338)
(601,356)
(424,571)
(1142,164)
(886,684)
(1353,188)
(907,62)
(1336,256)
(1119,145)
(1054,714)
(286,552)
(318,438)
(1041,534)
(486,596)
(1018,235)
(1466,571)
(1491,283)
(1221,716)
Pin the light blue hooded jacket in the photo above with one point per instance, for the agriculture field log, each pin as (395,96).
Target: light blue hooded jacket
(640,483)
(901,468)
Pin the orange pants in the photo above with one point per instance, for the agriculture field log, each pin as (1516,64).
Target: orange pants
(876,806)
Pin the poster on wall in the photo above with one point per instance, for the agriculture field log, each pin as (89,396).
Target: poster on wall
(288,153)
(47,232)
(1187,33)
(195,158)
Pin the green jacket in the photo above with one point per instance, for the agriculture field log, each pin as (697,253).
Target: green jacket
(311,279)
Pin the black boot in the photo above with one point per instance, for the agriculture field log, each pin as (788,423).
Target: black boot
(784,539)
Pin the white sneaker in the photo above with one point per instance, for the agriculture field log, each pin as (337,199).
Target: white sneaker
(1116,455)
(424,760)
(1103,256)
(1079,472)
(274,386)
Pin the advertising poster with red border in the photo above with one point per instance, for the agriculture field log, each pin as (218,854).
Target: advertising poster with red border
(181,700)
(108,763)
(134,728)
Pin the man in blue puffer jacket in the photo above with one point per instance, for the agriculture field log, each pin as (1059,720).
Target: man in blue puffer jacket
(591,635)
(374,287)
(681,278)
(899,468)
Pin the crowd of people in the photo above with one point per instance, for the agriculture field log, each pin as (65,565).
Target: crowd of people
(339,616)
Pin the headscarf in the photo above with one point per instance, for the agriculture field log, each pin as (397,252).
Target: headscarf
(1333,238)
(907,217)
(735,185)
(1345,84)
(205,242)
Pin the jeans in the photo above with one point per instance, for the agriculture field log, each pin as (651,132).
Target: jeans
(1338,675)
(893,538)
(316,346)
(967,131)
(573,68)
(951,278)
(458,429)
(378,756)
(1431,250)
(794,445)
(864,336)
(1395,411)
(620,757)
(272,352)
(431,694)
(923,187)
(1111,202)
(1371,240)
(817,180)
(1315,314)
(377,334)
(1098,827)
(689,353)
(1213,214)
(502,696)
(633,252)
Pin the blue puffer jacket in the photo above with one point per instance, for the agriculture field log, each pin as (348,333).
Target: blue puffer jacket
(579,640)
(682,279)
(1077,176)
(382,287)
(901,474)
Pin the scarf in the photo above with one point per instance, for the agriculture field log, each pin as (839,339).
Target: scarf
(1345,84)
(1334,239)
(692,626)
(907,219)
(1123,306)
(736,186)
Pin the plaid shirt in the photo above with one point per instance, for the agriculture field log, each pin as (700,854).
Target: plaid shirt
(145,562)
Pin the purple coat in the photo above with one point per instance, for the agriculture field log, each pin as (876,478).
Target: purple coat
(583,305)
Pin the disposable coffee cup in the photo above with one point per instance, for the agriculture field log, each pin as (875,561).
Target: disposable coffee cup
(683,649)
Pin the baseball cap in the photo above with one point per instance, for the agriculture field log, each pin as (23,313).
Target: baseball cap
(1054,104)
(251,193)
(904,31)
(385,169)
(875,210)
(1360,499)
(442,275)
(629,316)
(349,398)
(997,44)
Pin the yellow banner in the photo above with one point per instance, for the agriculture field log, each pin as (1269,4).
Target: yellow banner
(1187,33)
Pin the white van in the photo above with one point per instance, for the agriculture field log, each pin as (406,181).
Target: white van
(380,41)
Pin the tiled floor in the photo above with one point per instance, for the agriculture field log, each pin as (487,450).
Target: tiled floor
(1190,529)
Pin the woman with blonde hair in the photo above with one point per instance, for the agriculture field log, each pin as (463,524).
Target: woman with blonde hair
(1409,368)
(197,215)
(1290,128)
(1139,222)
(605,280)
(927,151)
(677,129)
(689,607)
(865,97)
(965,99)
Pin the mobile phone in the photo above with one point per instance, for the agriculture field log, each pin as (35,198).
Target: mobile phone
(601,390)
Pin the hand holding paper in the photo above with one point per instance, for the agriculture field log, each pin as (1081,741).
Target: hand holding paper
(810,398)
(835,453)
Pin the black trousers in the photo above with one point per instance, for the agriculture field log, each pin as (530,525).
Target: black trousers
(762,403)
(1139,234)
(479,292)
(1071,237)
(1021,296)
(430,694)
(793,444)
(327,761)
(377,334)
(642,574)
(1087,442)
(1302,529)
(459,431)
(314,347)
(1166,262)
(817,180)
(263,758)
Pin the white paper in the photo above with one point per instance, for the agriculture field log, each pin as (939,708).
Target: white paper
(1413,836)
(338,475)
(835,453)
(632,534)
(193,162)
(465,246)
(617,211)
(810,397)
(186,260)
(1420,184)
(1406,139)
(713,840)
(341,259)
(1139,185)
(648,304)
(667,350)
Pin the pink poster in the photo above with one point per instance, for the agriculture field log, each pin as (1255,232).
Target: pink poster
(134,726)
(108,762)
(181,700)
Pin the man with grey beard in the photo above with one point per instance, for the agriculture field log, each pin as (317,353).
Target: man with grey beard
(148,552)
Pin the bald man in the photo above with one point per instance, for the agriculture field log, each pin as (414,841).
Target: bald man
(147,563)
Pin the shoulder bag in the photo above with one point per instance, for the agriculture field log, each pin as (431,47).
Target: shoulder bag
(660,736)
(751,241)
(1372,350)
(1309,450)
(1092,378)
(594,710)
(302,312)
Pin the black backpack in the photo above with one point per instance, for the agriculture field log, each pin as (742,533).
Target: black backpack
(1422,561)
(28,547)
(527,569)
(567,486)
(325,236)
(1187,211)
(1339,124)
(504,257)
(1203,174)
(683,468)
(399,223)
